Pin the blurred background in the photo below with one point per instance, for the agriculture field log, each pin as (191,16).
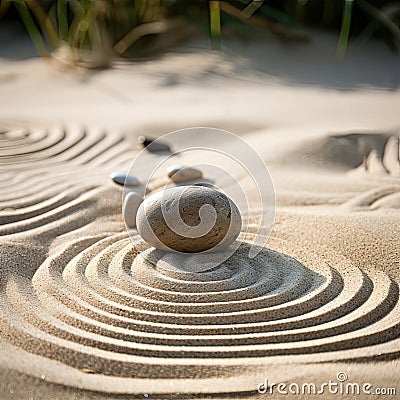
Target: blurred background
(120,62)
(96,32)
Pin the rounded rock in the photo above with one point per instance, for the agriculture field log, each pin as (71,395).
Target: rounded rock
(179,173)
(123,178)
(189,219)
(130,207)
(153,145)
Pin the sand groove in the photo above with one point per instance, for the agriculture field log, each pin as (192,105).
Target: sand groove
(99,302)
(59,145)
(47,189)
(102,293)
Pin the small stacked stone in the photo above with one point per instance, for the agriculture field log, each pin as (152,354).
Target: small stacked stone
(179,173)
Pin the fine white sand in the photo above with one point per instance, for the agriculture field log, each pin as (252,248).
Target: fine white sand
(84,315)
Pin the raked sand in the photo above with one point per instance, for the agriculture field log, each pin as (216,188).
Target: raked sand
(85,315)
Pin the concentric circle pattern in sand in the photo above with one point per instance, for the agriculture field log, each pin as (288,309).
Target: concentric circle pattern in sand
(101,304)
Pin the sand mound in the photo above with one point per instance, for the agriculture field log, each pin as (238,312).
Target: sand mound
(369,151)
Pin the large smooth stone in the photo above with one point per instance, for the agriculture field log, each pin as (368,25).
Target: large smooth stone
(179,173)
(130,207)
(123,178)
(189,219)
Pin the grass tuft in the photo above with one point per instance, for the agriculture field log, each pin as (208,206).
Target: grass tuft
(126,27)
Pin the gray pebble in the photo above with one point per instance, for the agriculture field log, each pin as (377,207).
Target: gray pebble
(153,146)
(130,207)
(123,178)
(188,219)
(178,173)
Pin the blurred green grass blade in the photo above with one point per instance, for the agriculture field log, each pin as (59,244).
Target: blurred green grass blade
(62,17)
(215,25)
(74,30)
(140,8)
(43,21)
(31,27)
(86,24)
(345,29)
